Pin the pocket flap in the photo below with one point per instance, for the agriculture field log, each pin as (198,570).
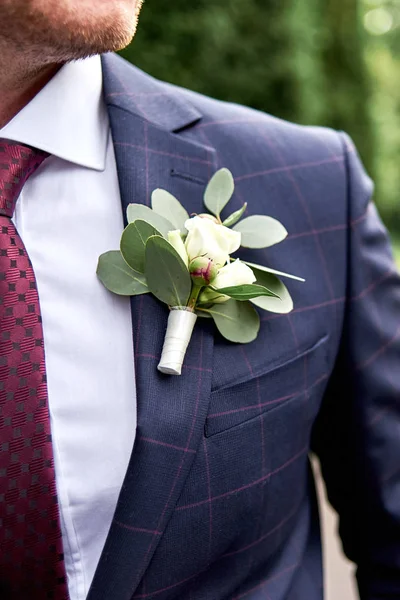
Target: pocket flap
(236,404)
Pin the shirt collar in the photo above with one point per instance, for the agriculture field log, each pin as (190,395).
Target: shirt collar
(68,117)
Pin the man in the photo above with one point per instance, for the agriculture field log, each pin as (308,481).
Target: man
(211,495)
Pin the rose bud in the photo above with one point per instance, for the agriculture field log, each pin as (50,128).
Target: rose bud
(207,239)
(202,270)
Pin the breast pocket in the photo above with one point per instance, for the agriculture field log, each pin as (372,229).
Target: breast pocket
(299,376)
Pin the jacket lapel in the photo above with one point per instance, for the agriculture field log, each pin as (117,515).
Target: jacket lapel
(171,410)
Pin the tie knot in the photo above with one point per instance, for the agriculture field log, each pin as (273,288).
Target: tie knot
(17,163)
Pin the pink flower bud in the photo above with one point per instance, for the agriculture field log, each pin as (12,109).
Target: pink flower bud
(202,270)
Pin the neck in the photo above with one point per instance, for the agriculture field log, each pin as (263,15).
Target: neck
(20,81)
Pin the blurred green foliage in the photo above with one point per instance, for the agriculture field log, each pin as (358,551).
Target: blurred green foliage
(325,62)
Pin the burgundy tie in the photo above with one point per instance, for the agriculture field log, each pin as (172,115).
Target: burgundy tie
(31,554)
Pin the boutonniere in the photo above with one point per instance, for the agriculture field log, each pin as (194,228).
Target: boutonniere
(185,261)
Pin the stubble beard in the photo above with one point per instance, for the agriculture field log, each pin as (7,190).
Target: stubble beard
(55,35)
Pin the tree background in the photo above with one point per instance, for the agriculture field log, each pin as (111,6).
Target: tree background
(326,62)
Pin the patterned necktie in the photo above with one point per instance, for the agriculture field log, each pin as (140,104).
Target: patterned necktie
(31,555)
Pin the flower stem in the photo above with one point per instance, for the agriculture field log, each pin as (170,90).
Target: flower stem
(196,289)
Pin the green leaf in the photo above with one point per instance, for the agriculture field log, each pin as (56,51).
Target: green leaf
(219,191)
(133,243)
(236,321)
(203,314)
(245,292)
(118,277)
(235,217)
(273,271)
(281,305)
(144,213)
(260,231)
(166,274)
(169,207)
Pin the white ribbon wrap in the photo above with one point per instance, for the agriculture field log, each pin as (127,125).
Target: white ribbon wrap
(180,326)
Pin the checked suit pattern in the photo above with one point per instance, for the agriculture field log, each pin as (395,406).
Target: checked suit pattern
(218,502)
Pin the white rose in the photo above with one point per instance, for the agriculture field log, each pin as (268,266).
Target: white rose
(206,238)
(175,239)
(236,273)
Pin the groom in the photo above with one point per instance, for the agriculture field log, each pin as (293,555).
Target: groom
(196,487)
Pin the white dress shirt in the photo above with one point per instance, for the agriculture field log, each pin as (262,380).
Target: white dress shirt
(68,213)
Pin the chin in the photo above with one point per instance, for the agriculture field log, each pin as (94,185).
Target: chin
(65,30)
(107,28)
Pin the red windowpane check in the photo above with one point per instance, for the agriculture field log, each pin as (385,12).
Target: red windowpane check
(31,554)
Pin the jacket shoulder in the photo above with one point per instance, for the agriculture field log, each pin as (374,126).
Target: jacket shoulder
(224,123)
(230,123)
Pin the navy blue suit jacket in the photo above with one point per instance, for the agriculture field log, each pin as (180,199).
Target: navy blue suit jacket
(218,502)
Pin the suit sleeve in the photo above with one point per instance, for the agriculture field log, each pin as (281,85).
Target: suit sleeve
(357,433)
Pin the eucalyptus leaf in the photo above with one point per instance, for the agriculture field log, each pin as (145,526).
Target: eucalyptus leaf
(133,243)
(245,292)
(281,305)
(273,271)
(219,191)
(203,314)
(118,277)
(166,274)
(236,321)
(169,207)
(144,213)
(260,231)
(235,217)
